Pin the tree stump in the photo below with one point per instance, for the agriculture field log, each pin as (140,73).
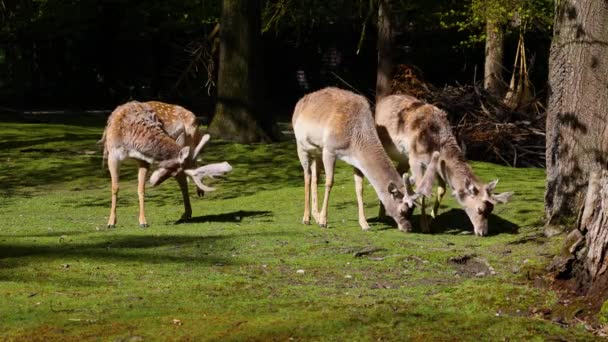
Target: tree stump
(584,260)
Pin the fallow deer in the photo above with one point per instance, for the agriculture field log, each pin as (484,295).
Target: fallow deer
(410,131)
(135,131)
(335,124)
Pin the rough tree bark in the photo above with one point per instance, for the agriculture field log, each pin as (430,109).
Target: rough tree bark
(577,138)
(493,81)
(585,257)
(238,92)
(384,74)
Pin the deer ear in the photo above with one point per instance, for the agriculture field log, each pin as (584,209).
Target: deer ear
(394,191)
(183,154)
(491,186)
(501,198)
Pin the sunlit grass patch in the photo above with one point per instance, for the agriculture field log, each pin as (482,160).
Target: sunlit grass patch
(244,268)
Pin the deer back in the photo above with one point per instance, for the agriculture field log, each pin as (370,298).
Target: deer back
(133,129)
(335,119)
(177,120)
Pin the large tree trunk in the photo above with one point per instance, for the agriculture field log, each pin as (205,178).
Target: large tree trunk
(584,262)
(577,111)
(238,90)
(384,73)
(493,81)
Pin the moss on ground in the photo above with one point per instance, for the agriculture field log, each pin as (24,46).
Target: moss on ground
(232,272)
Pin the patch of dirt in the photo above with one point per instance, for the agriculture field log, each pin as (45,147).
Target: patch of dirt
(470,265)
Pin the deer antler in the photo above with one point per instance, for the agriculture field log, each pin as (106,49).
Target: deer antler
(200,145)
(425,186)
(211,170)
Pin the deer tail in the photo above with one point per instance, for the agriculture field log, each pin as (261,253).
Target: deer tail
(102,142)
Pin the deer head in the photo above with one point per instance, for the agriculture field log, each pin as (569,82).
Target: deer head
(478,202)
(186,163)
(405,198)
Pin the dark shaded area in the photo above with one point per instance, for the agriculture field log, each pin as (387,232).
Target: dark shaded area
(456,221)
(96,55)
(114,248)
(236,216)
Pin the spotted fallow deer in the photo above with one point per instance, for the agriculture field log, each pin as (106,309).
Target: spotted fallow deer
(335,124)
(134,130)
(410,130)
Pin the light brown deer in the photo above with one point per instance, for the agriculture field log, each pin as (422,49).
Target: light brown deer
(410,131)
(335,124)
(134,130)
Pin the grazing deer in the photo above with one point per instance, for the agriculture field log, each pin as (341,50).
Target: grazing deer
(134,130)
(335,124)
(410,130)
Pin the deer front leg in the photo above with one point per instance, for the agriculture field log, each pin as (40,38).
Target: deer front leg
(114,167)
(141,191)
(418,173)
(183,186)
(440,193)
(329,162)
(305,161)
(359,191)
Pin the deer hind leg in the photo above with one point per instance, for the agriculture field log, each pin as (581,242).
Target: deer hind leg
(114,167)
(440,193)
(305,161)
(314,189)
(141,191)
(183,186)
(329,162)
(359,191)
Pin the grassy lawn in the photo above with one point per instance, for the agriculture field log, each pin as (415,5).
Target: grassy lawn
(245,268)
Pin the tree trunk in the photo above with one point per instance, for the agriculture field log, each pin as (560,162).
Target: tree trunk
(577,138)
(585,259)
(238,91)
(493,81)
(384,75)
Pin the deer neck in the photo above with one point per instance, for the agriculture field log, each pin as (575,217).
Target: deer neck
(375,165)
(454,169)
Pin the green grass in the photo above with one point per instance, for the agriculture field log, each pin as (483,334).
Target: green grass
(231,273)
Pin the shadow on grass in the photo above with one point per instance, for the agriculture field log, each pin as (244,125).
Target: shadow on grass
(236,216)
(456,221)
(57,154)
(209,250)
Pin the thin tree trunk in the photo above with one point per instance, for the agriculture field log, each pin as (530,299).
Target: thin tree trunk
(237,109)
(493,80)
(384,73)
(577,115)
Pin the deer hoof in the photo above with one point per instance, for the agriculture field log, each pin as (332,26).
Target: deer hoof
(144,225)
(306,222)
(111,226)
(323,225)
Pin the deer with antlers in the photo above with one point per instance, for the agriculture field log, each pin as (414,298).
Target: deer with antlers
(155,131)
(335,124)
(410,131)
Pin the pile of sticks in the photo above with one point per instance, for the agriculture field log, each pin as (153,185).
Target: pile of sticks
(486,128)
